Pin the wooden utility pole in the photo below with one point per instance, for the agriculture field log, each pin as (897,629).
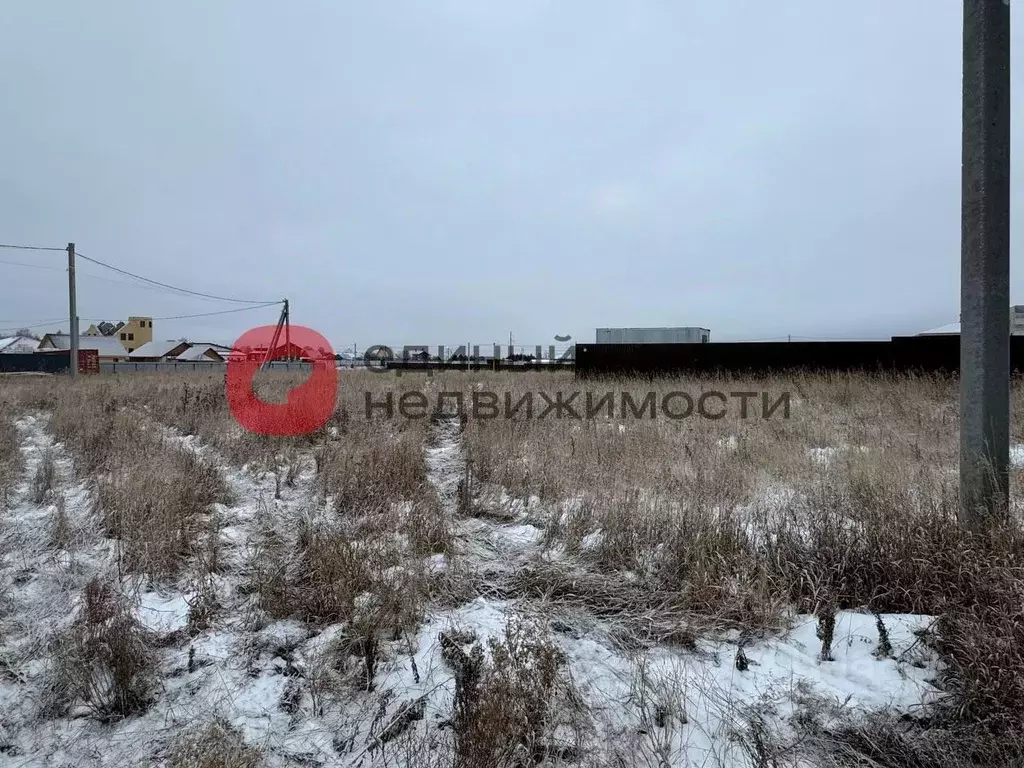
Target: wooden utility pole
(985,265)
(287,332)
(282,322)
(72,311)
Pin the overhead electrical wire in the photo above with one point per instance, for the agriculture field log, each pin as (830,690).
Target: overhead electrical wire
(172,287)
(222,312)
(31,247)
(152,284)
(39,324)
(146,283)
(33,266)
(133,284)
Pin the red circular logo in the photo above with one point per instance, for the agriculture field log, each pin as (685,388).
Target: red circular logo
(308,406)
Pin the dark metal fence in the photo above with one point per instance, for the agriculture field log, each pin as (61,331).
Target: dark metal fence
(35,362)
(906,354)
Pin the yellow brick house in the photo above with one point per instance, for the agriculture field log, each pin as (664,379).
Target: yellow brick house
(136,332)
(132,334)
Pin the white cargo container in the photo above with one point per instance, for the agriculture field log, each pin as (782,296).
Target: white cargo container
(688,335)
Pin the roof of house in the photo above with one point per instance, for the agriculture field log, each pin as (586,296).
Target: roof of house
(223,349)
(198,352)
(18,344)
(105,346)
(258,350)
(942,330)
(158,348)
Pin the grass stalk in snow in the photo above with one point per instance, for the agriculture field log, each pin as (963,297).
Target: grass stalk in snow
(44,478)
(10,455)
(216,745)
(104,661)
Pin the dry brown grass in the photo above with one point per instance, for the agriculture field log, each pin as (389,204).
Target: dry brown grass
(668,528)
(216,745)
(104,661)
(159,512)
(44,478)
(10,456)
(504,698)
(851,503)
(151,495)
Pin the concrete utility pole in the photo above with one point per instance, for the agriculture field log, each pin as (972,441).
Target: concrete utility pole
(985,265)
(72,310)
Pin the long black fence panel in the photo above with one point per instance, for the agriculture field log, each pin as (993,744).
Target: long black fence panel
(908,354)
(485,365)
(35,362)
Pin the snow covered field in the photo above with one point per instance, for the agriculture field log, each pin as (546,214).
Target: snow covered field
(456,592)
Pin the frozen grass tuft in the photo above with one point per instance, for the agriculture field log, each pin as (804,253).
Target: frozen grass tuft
(216,745)
(10,453)
(104,661)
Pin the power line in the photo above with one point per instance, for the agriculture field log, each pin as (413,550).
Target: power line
(31,325)
(222,311)
(154,287)
(14,326)
(170,287)
(31,247)
(131,284)
(32,266)
(41,323)
(90,276)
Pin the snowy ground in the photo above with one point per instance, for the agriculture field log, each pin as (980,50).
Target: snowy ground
(650,706)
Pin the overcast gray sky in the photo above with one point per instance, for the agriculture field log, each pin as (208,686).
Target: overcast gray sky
(447,171)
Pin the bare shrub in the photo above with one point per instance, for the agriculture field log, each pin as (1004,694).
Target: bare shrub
(104,660)
(216,745)
(502,706)
(337,577)
(202,607)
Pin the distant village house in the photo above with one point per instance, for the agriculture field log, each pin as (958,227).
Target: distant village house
(108,349)
(132,334)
